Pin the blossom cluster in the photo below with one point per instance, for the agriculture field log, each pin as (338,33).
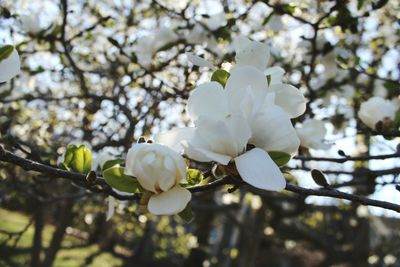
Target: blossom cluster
(239,120)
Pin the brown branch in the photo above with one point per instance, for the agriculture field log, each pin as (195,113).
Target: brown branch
(99,185)
(344,159)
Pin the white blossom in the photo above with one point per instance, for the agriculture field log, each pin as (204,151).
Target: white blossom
(227,120)
(312,134)
(10,67)
(148,45)
(30,23)
(376,109)
(159,170)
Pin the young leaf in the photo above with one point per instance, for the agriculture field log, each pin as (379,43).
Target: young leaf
(116,178)
(220,76)
(111,163)
(186,214)
(5,51)
(280,158)
(194,176)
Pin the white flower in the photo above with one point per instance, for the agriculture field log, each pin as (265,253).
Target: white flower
(275,23)
(380,89)
(376,109)
(10,66)
(246,112)
(251,53)
(148,45)
(30,23)
(216,21)
(159,170)
(199,61)
(329,62)
(111,207)
(312,134)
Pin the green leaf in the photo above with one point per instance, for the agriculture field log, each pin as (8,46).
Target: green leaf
(223,32)
(186,214)
(78,159)
(280,158)
(111,163)
(220,76)
(5,51)
(360,4)
(116,178)
(397,119)
(194,177)
(392,87)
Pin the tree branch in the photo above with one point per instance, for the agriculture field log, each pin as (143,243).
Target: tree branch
(100,186)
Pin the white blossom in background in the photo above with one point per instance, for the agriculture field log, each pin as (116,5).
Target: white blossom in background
(329,62)
(379,88)
(30,23)
(216,21)
(160,170)
(275,23)
(312,134)
(199,61)
(148,45)
(376,109)
(10,67)
(110,208)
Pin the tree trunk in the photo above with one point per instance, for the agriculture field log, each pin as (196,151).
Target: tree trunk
(64,220)
(37,238)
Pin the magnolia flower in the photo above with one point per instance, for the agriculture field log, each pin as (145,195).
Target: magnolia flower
(216,21)
(228,120)
(376,109)
(147,46)
(251,62)
(329,62)
(10,66)
(275,23)
(30,23)
(159,170)
(312,134)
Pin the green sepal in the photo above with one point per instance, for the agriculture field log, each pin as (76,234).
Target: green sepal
(280,158)
(220,76)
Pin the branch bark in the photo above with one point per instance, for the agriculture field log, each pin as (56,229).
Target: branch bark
(80,179)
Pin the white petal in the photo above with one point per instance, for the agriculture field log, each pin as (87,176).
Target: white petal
(276,74)
(9,67)
(289,98)
(258,169)
(208,99)
(273,131)
(241,81)
(227,137)
(111,207)
(199,61)
(312,134)
(255,54)
(170,202)
(174,138)
(240,42)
